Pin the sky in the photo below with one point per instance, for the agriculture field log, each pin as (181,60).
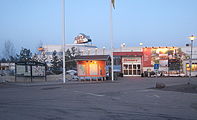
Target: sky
(28,23)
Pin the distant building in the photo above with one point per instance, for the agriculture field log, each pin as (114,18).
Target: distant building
(7,66)
(49,49)
(173,61)
(133,61)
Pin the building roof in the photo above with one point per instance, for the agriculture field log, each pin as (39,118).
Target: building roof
(30,63)
(92,57)
(192,59)
(128,54)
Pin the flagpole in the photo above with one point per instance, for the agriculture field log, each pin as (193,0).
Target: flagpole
(111,41)
(63,38)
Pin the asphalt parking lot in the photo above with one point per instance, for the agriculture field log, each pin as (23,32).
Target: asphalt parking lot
(128,98)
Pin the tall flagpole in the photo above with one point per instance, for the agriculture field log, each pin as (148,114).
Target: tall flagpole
(111,40)
(63,38)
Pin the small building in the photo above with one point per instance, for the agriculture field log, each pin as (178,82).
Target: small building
(142,62)
(7,68)
(186,67)
(92,66)
(30,69)
(131,63)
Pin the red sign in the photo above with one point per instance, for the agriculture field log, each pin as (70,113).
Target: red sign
(126,60)
(147,57)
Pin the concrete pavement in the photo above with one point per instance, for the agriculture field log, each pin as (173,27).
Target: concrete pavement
(125,99)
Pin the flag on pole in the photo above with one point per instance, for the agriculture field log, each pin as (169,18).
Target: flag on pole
(113,3)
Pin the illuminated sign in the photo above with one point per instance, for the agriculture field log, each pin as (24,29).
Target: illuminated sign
(82,38)
(125,60)
(147,57)
(131,59)
(158,55)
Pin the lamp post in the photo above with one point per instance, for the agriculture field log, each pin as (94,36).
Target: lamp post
(88,51)
(82,52)
(111,38)
(141,46)
(104,50)
(192,38)
(63,38)
(96,50)
(122,46)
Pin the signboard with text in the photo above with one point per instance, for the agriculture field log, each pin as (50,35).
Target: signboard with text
(131,59)
(147,57)
(156,66)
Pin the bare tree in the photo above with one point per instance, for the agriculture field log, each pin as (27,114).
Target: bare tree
(8,49)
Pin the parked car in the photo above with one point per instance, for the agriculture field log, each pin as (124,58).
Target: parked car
(148,74)
(175,75)
(71,75)
(2,74)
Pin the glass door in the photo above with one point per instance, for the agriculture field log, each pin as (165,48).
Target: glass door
(138,69)
(131,69)
(125,69)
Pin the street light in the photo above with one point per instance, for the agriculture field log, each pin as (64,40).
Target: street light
(141,44)
(192,38)
(63,38)
(82,52)
(88,51)
(122,46)
(104,50)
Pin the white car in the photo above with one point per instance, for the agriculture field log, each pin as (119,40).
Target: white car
(71,75)
(175,75)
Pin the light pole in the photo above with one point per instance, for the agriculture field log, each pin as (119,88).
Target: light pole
(104,50)
(82,52)
(192,38)
(122,46)
(111,38)
(88,51)
(141,46)
(96,50)
(63,38)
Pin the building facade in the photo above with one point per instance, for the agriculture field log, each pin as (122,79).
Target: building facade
(172,61)
(133,61)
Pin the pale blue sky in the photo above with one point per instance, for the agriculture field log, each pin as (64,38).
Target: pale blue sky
(153,22)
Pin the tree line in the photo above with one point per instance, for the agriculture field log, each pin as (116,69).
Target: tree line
(25,55)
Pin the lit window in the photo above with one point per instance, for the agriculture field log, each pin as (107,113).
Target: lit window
(194,67)
(187,67)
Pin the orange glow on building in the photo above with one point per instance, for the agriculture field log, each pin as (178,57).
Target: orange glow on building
(40,49)
(92,65)
(91,68)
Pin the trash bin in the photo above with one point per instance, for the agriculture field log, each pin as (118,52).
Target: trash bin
(142,75)
(121,74)
(116,75)
(145,74)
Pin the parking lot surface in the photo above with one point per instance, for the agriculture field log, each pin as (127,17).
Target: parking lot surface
(128,98)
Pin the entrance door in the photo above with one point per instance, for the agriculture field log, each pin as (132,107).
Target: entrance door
(131,69)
